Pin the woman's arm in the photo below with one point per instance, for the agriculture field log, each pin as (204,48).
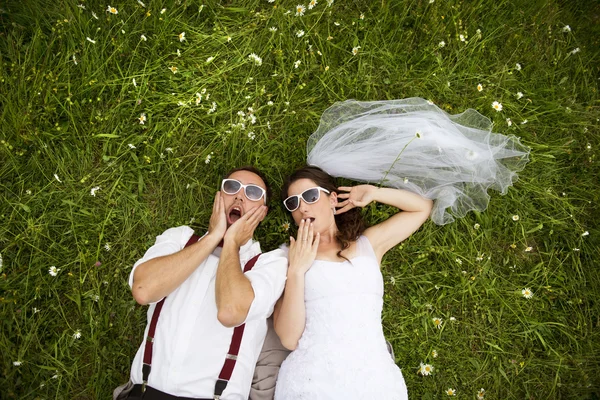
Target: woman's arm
(289,316)
(414,212)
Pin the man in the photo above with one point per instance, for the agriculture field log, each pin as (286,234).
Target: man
(207,295)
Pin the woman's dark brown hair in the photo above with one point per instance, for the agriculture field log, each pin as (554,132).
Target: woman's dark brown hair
(350,224)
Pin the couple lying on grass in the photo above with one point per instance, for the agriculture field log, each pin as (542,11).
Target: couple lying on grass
(214,294)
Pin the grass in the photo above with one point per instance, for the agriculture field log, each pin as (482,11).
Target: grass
(68,127)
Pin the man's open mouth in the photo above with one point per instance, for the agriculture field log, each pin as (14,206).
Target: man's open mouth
(235,213)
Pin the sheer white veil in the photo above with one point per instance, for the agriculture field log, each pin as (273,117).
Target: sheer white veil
(412,144)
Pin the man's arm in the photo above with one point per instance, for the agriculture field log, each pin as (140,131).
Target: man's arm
(158,277)
(233,290)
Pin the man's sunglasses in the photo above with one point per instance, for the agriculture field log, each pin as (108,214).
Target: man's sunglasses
(309,196)
(253,192)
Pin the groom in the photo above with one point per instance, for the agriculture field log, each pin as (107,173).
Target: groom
(213,318)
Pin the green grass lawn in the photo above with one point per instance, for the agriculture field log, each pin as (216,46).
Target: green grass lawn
(86,186)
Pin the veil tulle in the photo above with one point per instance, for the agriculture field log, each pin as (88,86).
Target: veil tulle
(412,144)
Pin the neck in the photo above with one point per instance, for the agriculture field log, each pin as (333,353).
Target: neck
(328,240)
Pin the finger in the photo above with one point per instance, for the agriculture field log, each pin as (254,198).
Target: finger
(216,202)
(301,230)
(309,238)
(257,216)
(315,243)
(346,208)
(342,203)
(343,195)
(306,230)
(345,188)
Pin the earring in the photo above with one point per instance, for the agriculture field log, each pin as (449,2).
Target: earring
(334,210)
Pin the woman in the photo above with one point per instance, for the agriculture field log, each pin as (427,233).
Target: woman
(330,313)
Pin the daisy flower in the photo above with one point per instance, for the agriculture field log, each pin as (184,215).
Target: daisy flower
(142,118)
(586,233)
(257,60)
(481,394)
(77,334)
(112,10)
(141,4)
(17,363)
(208,158)
(300,33)
(181,36)
(107,246)
(53,270)
(567,28)
(300,9)
(437,322)
(251,135)
(143,37)
(94,190)
(94,15)
(479,87)
(213,108)
(476,226)
(297,63)
(425,369)
(173,69)
(74,59)
(355,50)
(527,293)
(452,319)
(519,95)
(164,10)
(434,353)
(528,249)
(131,146)
(462,38)
(312,4)
(327,68)
(442,44)
(451,392)
(515,217)
(497,106)
(90,40)
(209,59)
(273,29)
(329,3)
(286,226)
(508,122)
(518,66)
(57,178)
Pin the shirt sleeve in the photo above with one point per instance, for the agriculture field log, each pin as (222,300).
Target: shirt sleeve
(170,241)
(268,280)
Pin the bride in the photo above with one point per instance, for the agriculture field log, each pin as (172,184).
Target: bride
(330,312)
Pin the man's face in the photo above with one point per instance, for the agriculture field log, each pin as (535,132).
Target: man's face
(236,205)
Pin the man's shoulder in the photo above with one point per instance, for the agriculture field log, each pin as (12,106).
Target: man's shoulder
(179,233)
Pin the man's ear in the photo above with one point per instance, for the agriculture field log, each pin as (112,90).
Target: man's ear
(266,212)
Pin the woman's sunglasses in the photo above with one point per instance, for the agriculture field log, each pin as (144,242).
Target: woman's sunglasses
(252,192)
(309,196)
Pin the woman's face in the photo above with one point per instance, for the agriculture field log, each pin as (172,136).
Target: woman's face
(320,212)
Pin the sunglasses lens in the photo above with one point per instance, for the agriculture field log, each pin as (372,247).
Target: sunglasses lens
(291,203)
(254,192)
(311,195)
(231,187)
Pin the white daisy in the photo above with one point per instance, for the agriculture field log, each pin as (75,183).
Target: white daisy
(497,106)
(425,369)
(90,40)
(312,4)
(586,233)
(441,44)
(164,10)
(107,246)
(300,9)
(476,226)
(112,10)
(17,363)
(527,293)
(213,108)
(300,33)
(74,59)
(142,118)
(515,217)
(94,190)
(519,95)
(273,29)
(518,66)
(53,270)
(57,178)
(479,87)
(141,4)
(173,69)
(451,392)
(575,51)
(355,50)
(131,146)
(508,121)
(257,60)
(77,334)
(94,15)
(181,36)
(437,322)
(209,59)
(208,158)
(297,63)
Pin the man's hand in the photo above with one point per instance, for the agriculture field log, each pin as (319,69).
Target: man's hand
(242,230)
(357,196)
(218,220)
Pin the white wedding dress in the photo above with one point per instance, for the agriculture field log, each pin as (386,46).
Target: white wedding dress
(342,354)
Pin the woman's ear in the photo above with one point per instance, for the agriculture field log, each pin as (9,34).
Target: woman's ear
(333,199)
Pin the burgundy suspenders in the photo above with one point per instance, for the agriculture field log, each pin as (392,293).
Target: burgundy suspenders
(230,358)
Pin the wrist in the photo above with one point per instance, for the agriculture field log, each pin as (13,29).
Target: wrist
(295,273)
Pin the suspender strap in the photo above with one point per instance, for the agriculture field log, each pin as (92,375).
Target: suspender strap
(147,361)
(234,348)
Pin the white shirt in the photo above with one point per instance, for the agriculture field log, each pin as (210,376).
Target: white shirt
(190,343)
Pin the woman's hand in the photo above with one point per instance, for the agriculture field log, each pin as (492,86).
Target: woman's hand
(357,196)
(303,251)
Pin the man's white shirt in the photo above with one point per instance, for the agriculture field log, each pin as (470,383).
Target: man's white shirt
(190,343)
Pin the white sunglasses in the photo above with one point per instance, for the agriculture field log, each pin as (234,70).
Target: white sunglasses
(309,196)
(253,192)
